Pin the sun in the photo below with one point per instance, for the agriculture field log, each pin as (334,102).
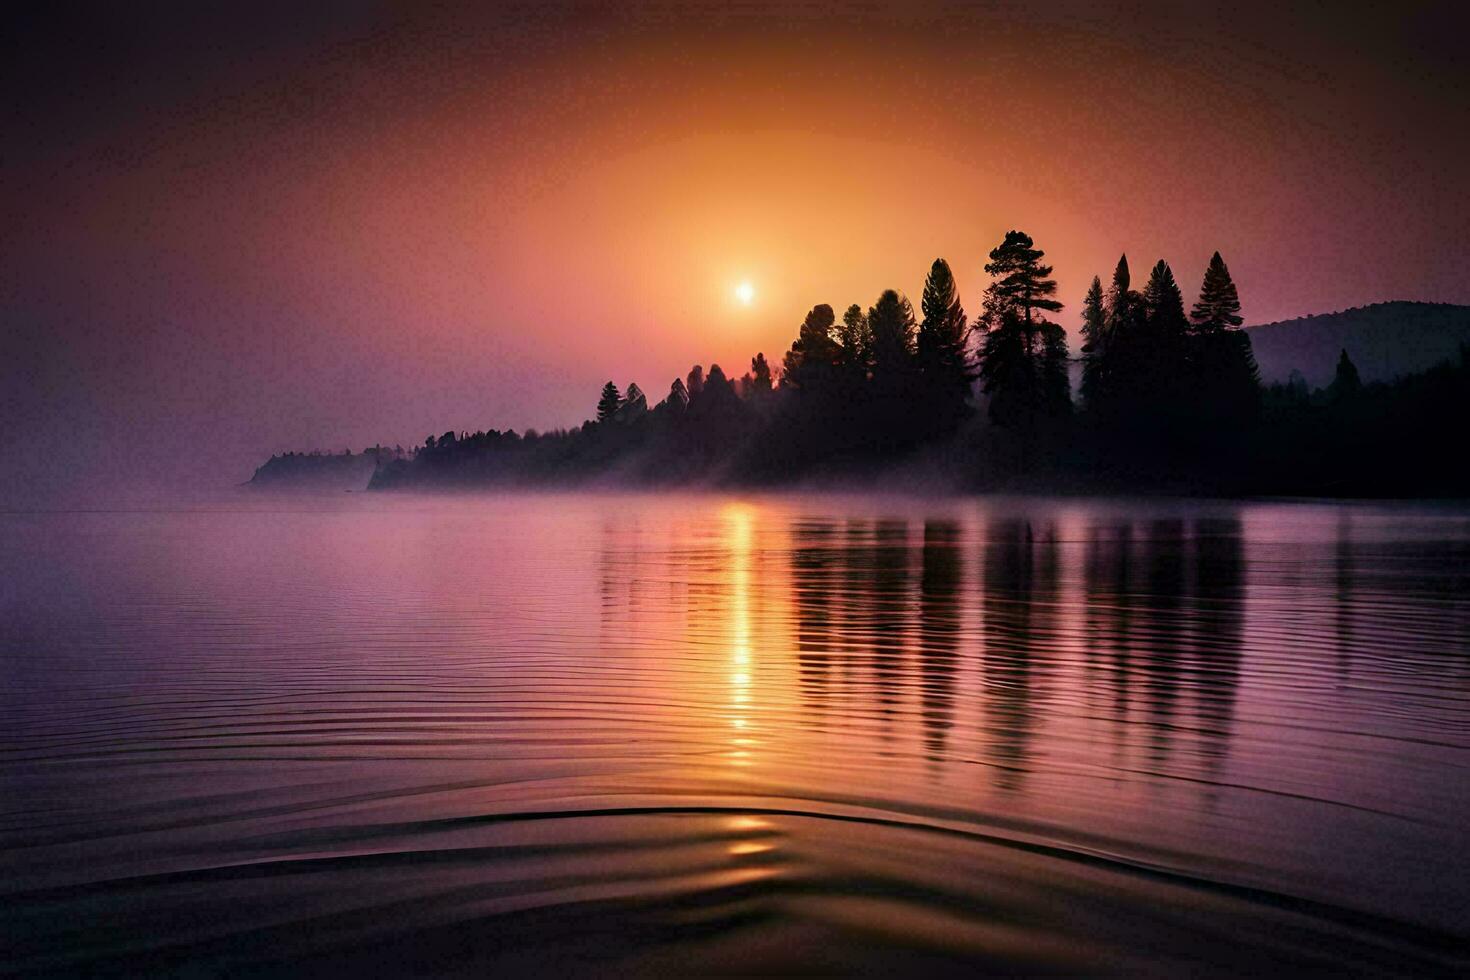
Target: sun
(745,293)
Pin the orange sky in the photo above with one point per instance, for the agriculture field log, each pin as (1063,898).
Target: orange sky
(345,225)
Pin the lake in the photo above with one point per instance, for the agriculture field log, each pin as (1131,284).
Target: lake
(658,734)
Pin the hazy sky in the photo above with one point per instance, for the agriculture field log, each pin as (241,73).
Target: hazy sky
(231,233)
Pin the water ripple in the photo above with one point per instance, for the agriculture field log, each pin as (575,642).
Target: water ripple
(655,733)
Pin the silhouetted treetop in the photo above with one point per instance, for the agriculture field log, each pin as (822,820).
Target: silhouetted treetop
(1218,307)
(1123,305)
(1170,402)
(633,405)
(760,374)
(1164,301)
(717,401)
(943,323)
(855,342)
(1122,281)
(1094,341)
(814,351)
(1094,319)
(1346,383)
(1023,356)
(1022,284)
(942,351)
(607,405)
(678,398)
(891,322)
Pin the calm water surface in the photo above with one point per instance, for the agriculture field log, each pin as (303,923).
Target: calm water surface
(653,734)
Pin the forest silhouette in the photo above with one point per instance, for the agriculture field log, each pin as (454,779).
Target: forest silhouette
(1167,401)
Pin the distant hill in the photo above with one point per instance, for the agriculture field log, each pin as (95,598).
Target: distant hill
(1385,341)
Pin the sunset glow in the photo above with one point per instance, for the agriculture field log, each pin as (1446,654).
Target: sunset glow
(844,488)
(466,196)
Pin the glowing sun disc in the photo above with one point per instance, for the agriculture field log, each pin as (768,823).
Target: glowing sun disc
(745,293)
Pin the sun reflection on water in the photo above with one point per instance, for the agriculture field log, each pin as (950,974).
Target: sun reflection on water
(738,523)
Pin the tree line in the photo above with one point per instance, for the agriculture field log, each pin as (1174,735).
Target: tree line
(1166,399)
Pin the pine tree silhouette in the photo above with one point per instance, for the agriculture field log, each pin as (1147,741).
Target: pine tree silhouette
(607,405)
(760,374)
(1218,307)
(810,361)
(1094,343)
(1346,383)
(943,349)
(634,403)
(1157,380)
(1023,358)
(855,344)
(1224,383)
(1165,306)
(891,322)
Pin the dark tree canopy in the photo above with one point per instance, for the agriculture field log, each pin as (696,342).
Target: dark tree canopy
(809,362)
(760,374)
(1224,383)
(678,396)
(1094,342)
(1022,283)
(1094,319)
(1218,307)
(816,335)
(1346,383)
(1164,304)
(634,403)
(1162,391)
(943,325)
(1169,402)
(1023,356)
(891,322)
(1124,307)
(1119,292)
(607,405)
(1114,376)
(1148,363)
(855,343)
(887,409)
(942,349)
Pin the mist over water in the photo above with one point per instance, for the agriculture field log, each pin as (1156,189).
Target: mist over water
(658,732)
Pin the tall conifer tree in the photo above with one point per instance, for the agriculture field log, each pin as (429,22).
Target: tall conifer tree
(1163,389)
(855,344)
(1120,294)
(1023,358)
(942,349)
(607,405)
(891,321)
(1164,304)
(1346,383)
(760,374)
(810,361)
(1225,383)
(1218,307)
(1094,343)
